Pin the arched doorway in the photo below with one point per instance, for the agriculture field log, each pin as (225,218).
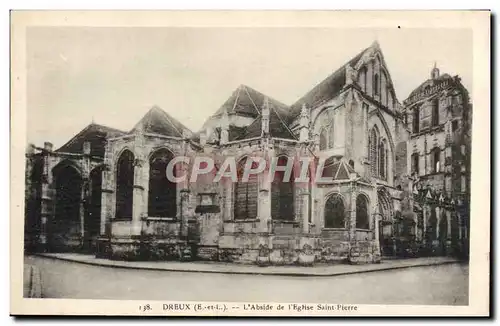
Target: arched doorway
(65,229)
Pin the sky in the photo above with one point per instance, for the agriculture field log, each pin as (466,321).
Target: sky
(114,75)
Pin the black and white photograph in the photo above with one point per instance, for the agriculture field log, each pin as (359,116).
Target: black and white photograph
(238,170)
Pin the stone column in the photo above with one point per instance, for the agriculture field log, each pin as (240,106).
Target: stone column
(140,182)
(438,221)
(305,195)
(184,214)
(47,201)
(107,199)
(424,213)
(85,190)
(352,214)
(264,202)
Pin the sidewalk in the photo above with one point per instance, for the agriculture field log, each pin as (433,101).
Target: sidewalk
(228,268)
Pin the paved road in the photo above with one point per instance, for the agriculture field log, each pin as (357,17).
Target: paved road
(444,285)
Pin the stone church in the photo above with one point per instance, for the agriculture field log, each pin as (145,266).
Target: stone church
(397,178)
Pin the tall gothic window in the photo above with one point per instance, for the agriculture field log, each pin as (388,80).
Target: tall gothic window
(362,217)
(245,193)
(363,78)
(162,195)
(282,192)
(435,157)
(372,151)
(334,212)
(376,84)
(382,161)
(125,185)
(416,120)
(323,139)
(435,112)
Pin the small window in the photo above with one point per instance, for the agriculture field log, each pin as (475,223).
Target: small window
(376,84)
(415,163)
(436,164)
(454,125)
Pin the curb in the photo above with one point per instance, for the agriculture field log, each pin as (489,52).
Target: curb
(294,274)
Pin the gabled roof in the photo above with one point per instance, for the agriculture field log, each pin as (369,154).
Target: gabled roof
(248,102)
(337,169)
(94,133)
(157,121)
(327,89)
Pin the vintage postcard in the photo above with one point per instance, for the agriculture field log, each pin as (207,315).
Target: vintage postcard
(250,163)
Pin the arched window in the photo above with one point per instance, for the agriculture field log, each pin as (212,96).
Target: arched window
(372,151)
(351,163)
(125,185)
(331,137)
(334,212)
(323,139)
(363,78)
(362,218)
(382,161)
(245,194)
(416,120)
(282,194)
(435,157)
(376,84)
(435,112)
(162,195)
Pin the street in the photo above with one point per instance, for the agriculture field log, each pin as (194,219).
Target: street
(435,285)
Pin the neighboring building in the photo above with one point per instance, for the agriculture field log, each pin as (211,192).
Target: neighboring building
(439,115)
(106,190)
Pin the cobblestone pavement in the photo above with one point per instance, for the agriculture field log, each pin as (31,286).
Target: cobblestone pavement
(445,284)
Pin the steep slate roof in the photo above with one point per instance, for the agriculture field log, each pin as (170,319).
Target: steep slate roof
(157,121)
(246,101)
(327,89)
(94,133)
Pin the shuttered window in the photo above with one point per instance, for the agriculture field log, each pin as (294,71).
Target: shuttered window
(334,212)
(282,194)
(245,194)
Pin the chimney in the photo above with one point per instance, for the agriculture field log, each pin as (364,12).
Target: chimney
(304,123)
(265,117)
(434,72)
(48,146)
